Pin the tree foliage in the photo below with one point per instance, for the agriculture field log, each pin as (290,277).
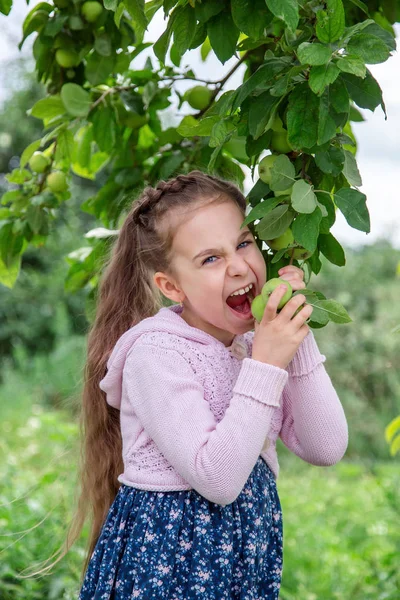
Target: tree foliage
(307,71)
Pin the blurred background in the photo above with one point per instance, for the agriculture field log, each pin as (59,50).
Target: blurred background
(341,532)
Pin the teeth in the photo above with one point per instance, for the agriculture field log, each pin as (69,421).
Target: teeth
(243,290)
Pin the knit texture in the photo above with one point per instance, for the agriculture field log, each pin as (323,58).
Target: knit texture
(194,415)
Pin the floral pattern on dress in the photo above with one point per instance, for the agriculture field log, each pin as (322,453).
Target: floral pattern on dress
(180,546)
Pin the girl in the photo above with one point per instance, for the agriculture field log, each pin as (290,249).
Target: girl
(182,405)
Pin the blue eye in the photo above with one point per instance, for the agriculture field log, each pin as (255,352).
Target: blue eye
(205,261)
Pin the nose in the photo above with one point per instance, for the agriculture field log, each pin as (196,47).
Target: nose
(237,266)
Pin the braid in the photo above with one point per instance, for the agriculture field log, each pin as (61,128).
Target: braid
(151,196)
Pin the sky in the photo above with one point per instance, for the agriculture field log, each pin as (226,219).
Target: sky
(378,154)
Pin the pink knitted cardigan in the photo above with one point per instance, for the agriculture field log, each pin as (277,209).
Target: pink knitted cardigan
(197,415)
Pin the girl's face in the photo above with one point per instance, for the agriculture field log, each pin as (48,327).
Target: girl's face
(205,279)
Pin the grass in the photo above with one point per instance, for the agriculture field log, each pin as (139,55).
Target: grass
(341,534)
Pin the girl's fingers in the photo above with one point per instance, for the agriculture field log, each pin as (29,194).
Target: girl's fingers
(291,269)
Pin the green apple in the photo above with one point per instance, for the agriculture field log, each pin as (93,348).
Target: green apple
(277,125)
(269,287)
(279,142)
(284,192)
(258,307)
(282,241)
(67,58)
(300,253)
(91,11)
(198,97)
(265,166)
(38,162)
(57,182)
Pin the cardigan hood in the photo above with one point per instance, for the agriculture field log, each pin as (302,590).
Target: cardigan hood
(167,320)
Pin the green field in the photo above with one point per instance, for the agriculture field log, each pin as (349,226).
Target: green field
(341,534)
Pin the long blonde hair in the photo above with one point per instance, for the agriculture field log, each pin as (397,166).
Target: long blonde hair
(126,295)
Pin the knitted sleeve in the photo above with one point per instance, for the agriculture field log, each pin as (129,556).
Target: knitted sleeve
(314,424)
(215,458)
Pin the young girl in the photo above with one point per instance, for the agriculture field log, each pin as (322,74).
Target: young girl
(183,404)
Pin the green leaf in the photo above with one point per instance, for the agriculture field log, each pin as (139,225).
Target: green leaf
(325,201)
(287,10)
(319,315)
(260,112)
(302,117)
(282,174)
(98,68)
(105,129)
(353,65)
(305,229)
(386,36)
(160,47)
(35,216)
(136,10)
(65,149)
(250,16)
(303,197)
(371,49)
(103,45)
(326,124)
(261,209)
(330,22)
(111,5)
(220,131)
(331,160)
(5,6)
(189,126)
(331,249)
(339,96)
(75,99)
(264,74)
(334,310)
(84,147)
(184,28)
(35,20)
(392,429)
(274,223)
(223,35)
(350,169)
(47,108)
(352,204)
(28,152)
(258,191)
(205,10)
(366,92)
(322,76)
(313,54)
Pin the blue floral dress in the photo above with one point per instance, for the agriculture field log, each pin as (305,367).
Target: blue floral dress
(180,546)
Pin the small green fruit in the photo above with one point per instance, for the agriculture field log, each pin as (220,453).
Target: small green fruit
(198,97)
(91,11)
(264,168)
(282,241)
(38,162)
(279,142)
(57,182)
(258,307)
(277,125)
(283,192)
(269,287)
(67,58)
(300,253)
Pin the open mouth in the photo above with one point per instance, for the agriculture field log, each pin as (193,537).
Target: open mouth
(242,303)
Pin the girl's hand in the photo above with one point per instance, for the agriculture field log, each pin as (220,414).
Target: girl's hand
(294,275)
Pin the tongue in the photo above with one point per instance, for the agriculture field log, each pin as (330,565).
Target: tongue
(239,303)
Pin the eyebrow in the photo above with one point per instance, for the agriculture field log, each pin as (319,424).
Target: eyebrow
(211,250)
